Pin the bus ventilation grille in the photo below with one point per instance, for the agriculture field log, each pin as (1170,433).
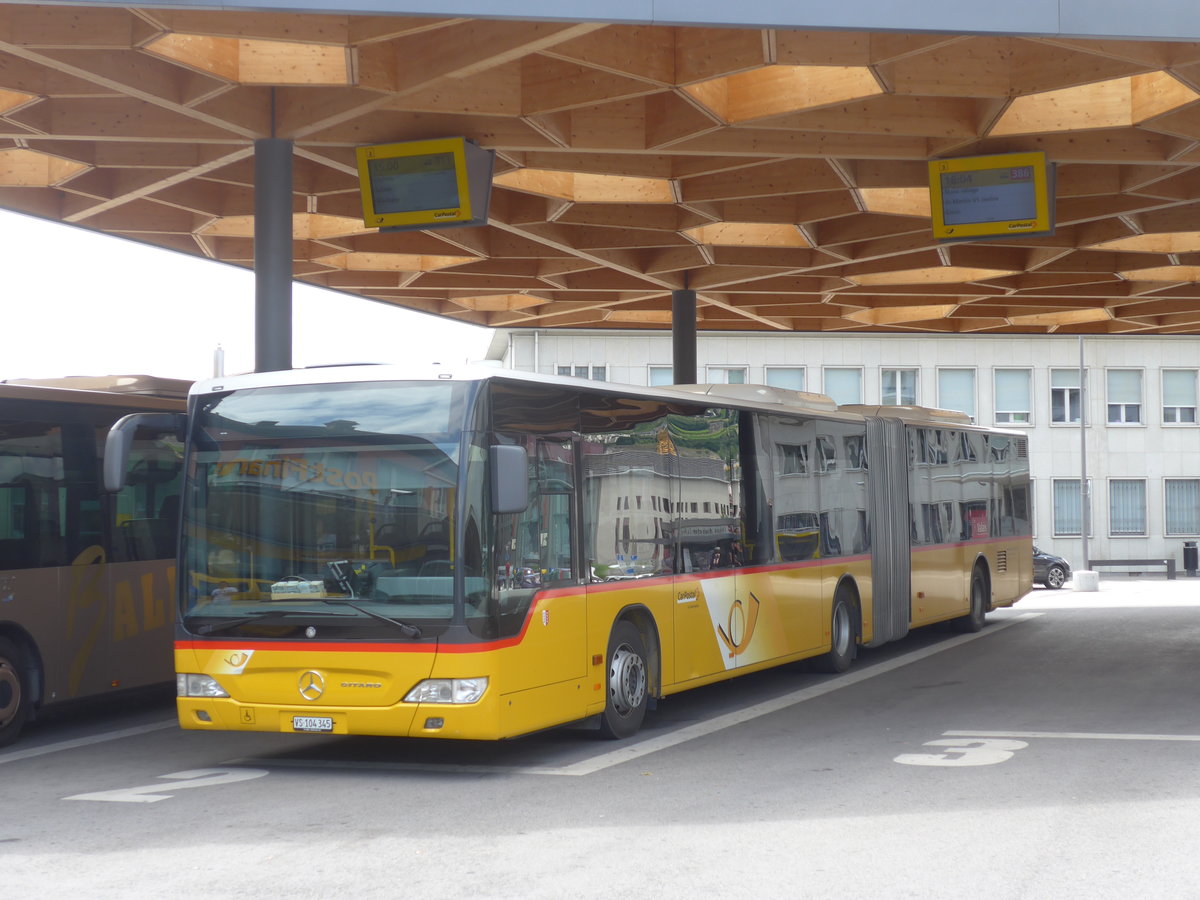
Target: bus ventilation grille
(1022,448)
(1002,561)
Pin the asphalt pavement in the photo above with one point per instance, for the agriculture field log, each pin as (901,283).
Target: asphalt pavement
(1055,754)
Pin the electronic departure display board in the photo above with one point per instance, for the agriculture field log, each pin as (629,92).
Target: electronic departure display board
(440,183)
(991,196)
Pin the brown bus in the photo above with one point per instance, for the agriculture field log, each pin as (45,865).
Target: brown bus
(86,578)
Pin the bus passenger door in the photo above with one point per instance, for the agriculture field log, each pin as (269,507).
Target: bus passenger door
(536,576)
(715,613)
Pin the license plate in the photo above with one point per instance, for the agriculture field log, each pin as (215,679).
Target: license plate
(312,723)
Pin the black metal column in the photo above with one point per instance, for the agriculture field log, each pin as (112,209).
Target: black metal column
(272,254)
(683,336)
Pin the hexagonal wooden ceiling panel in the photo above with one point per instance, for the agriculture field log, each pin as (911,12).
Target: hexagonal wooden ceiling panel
(780,174)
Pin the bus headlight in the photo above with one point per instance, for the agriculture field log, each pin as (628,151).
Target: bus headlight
(447,690)
(188,684)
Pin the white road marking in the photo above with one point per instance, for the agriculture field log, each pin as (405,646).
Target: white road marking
(702,729)
(371,765)
(674,738)
(32,752)
(192,778)
(972,751)
(1075,735)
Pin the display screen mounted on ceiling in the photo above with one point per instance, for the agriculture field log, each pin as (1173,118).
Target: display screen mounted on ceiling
(440,183)
(979,197)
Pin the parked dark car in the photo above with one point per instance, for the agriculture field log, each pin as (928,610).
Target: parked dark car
(1049,570)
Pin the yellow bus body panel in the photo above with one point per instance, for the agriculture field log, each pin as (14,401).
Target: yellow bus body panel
(703,628)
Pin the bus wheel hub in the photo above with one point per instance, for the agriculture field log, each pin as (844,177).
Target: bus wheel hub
(626,680)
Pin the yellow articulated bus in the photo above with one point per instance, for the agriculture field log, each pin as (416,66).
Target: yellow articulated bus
(87,580)
(479,553)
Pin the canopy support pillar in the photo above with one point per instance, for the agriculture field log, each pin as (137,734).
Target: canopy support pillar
(272,254)
(683,336)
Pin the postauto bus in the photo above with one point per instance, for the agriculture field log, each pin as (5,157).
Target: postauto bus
(479,553)
(86,579)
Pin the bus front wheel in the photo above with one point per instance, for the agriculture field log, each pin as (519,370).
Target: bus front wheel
(14,694)
(627,681)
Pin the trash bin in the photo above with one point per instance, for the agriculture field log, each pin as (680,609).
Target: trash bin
(1189,558)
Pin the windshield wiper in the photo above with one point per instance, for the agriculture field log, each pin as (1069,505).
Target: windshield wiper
(406,627)
(233,622)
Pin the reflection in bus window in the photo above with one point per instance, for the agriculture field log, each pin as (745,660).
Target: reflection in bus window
(628,502)
(533,548)
(709,524)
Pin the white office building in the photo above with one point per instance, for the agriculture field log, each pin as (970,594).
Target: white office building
(1142,427)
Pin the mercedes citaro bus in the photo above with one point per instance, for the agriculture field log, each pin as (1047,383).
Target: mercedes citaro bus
(480,553)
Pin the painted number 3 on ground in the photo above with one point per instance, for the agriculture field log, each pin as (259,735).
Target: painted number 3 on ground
(964,751)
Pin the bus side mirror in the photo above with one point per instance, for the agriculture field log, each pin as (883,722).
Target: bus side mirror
(120,441)
(509,472)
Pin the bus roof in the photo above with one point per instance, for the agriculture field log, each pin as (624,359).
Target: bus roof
(49,394)
(743,395)
(145,385)
(910,413)
(762,397)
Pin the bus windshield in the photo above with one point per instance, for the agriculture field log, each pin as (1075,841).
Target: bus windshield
(327,507)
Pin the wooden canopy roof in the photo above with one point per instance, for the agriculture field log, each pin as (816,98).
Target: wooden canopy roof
(780,174)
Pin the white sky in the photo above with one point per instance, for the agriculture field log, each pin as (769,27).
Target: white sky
(81,303)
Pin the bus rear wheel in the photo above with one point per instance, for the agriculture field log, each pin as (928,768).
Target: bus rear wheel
(842,637)
(14,694)
(975,618)
(627,682)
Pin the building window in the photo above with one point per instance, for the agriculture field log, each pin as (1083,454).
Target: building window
(956,390)
(1182,505)
(789,377)
(1179,396)
(1013,392)
(1067,507)
(843,386)
(726,374)
(661,375)
(598,373)
(898,387)
(793,459)
(1126,506)
(1124,396)
(1064,396)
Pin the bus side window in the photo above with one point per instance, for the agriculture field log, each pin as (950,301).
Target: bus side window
(534,548)
(147,508)
(16,540)
(32,495)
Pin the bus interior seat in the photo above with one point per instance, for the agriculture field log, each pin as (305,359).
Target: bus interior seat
(436,568)
(149,538)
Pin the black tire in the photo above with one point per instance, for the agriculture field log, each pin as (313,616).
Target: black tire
(975,619)
(1055,578)
(627,679)
(14,692)
(843,635)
